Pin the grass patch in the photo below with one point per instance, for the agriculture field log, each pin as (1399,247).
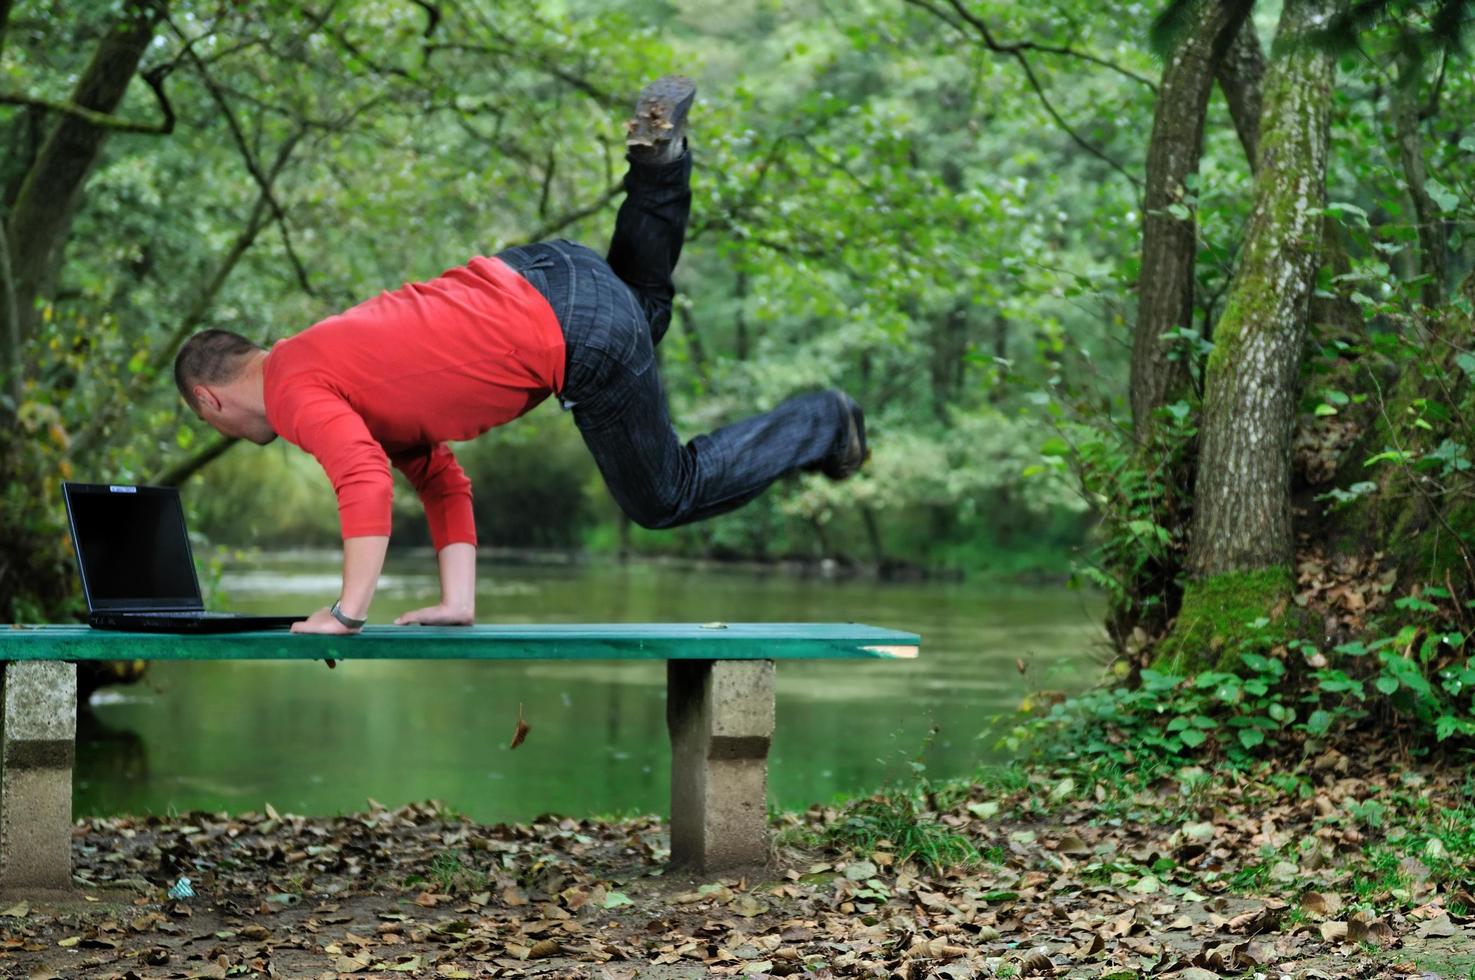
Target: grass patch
(447,873)
(896,823)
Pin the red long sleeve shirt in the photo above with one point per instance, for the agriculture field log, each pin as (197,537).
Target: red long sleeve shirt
(393,379)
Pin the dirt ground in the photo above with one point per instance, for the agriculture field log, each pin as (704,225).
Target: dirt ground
(1070,881)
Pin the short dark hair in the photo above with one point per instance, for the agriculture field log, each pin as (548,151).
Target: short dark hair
(209,357)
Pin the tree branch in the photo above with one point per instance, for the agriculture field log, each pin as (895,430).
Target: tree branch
(186,468)
(257,220)
(561,222)
(248,157)
(1016,51)
(103,120)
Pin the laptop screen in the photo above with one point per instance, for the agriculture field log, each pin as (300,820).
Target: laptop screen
(132,547)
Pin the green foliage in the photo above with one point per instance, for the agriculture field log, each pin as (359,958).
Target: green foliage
(1278,694)
(1141,536)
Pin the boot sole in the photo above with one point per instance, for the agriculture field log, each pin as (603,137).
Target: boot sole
(660,112)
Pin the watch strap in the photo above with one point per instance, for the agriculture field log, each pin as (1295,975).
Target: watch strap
(346,619)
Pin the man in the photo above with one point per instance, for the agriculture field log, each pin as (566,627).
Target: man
(395,378)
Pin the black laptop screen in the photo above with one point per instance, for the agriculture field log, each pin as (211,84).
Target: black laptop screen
(133,548)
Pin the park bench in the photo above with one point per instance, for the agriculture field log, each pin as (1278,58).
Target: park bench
(719,712)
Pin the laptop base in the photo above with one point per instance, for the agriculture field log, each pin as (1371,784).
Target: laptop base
(155,622)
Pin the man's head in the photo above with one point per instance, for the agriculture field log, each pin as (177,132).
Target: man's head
(219,375)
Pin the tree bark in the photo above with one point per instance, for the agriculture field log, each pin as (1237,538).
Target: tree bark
(1242,509)
(48,197)
(1240,74)
(1170,242)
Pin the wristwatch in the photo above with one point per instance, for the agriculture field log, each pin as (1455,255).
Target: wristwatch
(346,619)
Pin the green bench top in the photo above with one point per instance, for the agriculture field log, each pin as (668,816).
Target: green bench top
(592,641)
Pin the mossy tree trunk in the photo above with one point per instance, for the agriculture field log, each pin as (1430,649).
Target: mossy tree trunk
(1242,502)
(48,197)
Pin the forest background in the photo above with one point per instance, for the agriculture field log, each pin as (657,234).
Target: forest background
(1176,296)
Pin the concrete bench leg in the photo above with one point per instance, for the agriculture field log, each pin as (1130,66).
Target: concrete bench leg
(39,742)
(720,715)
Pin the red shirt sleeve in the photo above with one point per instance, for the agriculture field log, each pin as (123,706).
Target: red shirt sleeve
(317,419)
(443,489)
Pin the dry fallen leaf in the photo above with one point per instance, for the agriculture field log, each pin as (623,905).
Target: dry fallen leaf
(1321,906)
(1439,927)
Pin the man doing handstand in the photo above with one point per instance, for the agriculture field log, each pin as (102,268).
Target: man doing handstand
(392,380)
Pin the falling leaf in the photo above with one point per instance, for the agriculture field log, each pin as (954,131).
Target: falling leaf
(860,870)
(521,732)
(17,911)
(615,899)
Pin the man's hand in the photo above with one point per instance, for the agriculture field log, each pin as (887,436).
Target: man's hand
(322,621)
(441,615)
(457,605)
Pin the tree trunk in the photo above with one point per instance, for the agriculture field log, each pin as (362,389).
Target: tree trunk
(47,201)
(1242,513)
(1433,263)
(5,8)
(1240,73)
(1169,241)
(10,363)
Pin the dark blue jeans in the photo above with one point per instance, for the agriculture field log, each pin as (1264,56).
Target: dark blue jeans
(614,312)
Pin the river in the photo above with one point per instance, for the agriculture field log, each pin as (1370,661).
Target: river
(236,735)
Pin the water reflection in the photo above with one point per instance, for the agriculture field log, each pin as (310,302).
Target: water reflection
(235,735)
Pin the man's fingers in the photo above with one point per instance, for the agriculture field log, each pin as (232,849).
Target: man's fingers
(433,616)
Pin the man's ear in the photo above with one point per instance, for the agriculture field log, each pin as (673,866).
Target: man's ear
(205,397)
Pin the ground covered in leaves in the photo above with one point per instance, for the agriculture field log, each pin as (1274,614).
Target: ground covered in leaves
(1340,868)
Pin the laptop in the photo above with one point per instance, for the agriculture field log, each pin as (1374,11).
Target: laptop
(138,572)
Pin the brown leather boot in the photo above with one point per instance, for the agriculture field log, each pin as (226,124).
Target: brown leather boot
(657,134)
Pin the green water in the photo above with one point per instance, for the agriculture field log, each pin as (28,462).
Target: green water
(307,739)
